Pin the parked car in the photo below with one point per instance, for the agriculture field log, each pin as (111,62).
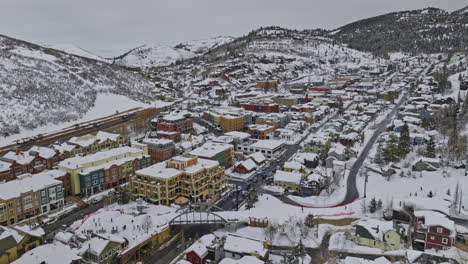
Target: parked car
(97,199)
(84,205)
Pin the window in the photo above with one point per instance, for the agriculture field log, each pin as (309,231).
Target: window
(432,237)
(440,230)
(444,241)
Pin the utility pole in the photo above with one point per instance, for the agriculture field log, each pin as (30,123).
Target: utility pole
(365,183)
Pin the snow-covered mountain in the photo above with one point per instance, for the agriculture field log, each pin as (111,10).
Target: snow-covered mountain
(160,55)
(75,50)
(429,30)
(267,53)
(41,86)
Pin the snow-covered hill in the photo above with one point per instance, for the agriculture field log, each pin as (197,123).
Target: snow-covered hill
(160,55)
(41,86)
(429,30)
(75,50)
(268,53)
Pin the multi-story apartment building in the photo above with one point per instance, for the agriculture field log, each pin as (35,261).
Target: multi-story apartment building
(181,178)
(180,122)
(35,160)
(269,148)
(160,149)
(228,118)
(221,152)
(433,230)
(261,131)
(261,107)
(89,144)
(274,119)
(231,122)
(28,196)
(95,172)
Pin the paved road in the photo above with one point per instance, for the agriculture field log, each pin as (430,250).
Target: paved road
(63,222)
(230,202)
(352,192)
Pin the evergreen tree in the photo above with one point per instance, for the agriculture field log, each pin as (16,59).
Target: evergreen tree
(430,194)
(299,252)
(404,142)
(379,155)
(373,206)
(252,197)
(391,151)
(430,148)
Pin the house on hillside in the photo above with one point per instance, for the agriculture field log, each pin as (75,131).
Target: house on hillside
(236,247)
(426,164)
(378,234)
(433,230)
(245,167)
(100,250)
(203,250)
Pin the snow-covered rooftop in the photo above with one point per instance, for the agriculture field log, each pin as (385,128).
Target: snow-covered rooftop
(49,253)
(243,245)
(432,218)
(268,144)
(211,149)
(27,183)
(78,162)
(288,177)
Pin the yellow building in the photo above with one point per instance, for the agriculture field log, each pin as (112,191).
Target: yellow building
(179,179)
(268,84)
(89,144)
(77,165)
(230,123)
(8,211)
(290,181)
(14,243)
(378,234)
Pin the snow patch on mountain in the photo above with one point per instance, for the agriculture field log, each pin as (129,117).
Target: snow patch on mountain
(160,55)
(75,50)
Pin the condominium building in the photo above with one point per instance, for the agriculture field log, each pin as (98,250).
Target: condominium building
(180,122)
(261,131)
(221,152)
(89,144)
(105,169)
(232,122)
(269,148)
(261,107)
(34,160)
(160,149)
(179,180)
(28,196)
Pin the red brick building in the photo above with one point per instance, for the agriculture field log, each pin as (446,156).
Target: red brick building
(160,149)
(178,122)
(260,131)
(194,258)
(245,167)
(170,135)
(433,230)
(51,157)
(21,163)
(262,107)
(35,160)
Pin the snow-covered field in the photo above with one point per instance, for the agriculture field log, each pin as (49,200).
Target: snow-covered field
(417,186)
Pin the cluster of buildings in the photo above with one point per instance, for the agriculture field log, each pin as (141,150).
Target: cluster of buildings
(179,180)
(226,249)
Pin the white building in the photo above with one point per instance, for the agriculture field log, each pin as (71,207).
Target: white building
(269,148)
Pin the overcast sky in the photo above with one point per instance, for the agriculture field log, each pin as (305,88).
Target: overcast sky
(111,27)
